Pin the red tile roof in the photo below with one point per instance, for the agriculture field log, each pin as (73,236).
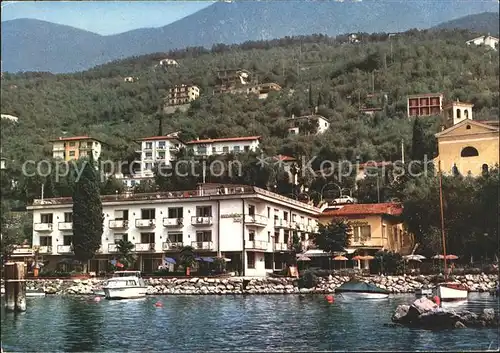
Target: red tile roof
(284,158)
(74,138)
(225,139)
(388,208)
(155,138)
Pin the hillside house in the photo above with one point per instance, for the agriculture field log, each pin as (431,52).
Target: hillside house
(307,124)
(72,148)
(10,117)
(210,147)
(182,94)
(128,79)
(231,79)
(262,90)
(425,104)
(168,62)
(157,150)
(488,41)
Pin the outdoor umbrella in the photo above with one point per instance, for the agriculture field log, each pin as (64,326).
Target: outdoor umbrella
(303,258)
(169,260)
(439,256)
(413,257)
(207,259)
(357,257)
(367,257)
(340,258)
(451,257)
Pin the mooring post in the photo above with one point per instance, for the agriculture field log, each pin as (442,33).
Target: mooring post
(10,292)
(21,286)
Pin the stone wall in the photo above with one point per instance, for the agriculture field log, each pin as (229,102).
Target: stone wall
(239,285)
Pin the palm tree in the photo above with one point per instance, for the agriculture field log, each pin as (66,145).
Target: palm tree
(125,254)
(187,258)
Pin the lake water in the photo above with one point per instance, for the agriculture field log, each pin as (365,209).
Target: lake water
(229,323)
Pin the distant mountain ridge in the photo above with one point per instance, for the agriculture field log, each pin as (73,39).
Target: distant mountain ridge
(33,45)
(486,22)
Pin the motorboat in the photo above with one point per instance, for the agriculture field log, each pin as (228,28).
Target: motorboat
(355,289)
(450,291)
(421,292)
(125,285)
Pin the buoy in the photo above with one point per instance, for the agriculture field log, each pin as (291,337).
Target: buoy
(437,300)
(97,299)
(329,298)
(158,304)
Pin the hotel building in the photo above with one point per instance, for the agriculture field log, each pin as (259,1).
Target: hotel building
(182,94)
(210,147)
(250,226)
(157,150)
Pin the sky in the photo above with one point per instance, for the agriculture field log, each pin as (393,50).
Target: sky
(103,17)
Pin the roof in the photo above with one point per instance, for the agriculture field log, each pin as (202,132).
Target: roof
(374,164)
(75,138)
(284,158)
(425,95)
(451,104)
(312,116)
(224,139)
(387,208)
(466,121)
(156,138)
(481,37)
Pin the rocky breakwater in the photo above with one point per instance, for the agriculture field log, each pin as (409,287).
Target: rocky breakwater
(424,313)
(60,286)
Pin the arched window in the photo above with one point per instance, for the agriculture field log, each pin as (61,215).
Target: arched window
(469,152)
(466,114)
(468,127)
(485,169)
(458,113)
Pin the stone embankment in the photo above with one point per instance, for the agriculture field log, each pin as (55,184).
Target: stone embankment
(238,285)
(424,313)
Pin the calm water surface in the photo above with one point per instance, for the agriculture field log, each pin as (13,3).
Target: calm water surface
(229,323)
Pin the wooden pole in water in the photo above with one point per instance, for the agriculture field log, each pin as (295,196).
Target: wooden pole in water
(442,216)
(15,286)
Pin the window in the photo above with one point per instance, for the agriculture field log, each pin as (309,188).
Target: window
(72,144)
(294,217)
(302,236)
(285,215)
(466,114)
(45,241)
(46,218)
(161,144)
(250,259)
(484,169)
(148,155)
(269,212)
(204,211)
(175,212)
(148,213)
(361,233)
(225,149)
(68,217)
(214,150)
(67,240)
(71,153)
(175,237)
(246,148)
(459,114)
(286,235)
(276,236)
(149,166)
(251,210)
(236,149)
(251,236)
(201,150)
(118,237)
(268,237)
(149,145)
(147,238)
(468,127)
(268,261)
(469,152)
(204,236)
(384,231)
(121,215)
(161,155)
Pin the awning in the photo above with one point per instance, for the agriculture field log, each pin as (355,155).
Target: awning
(207,259)
(169,260)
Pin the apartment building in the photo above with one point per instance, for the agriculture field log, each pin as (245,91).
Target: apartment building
(261,90)
(307,124)
(157,150)
(251,227)
(209,147)
(182,94)
(71,148)
(425,104)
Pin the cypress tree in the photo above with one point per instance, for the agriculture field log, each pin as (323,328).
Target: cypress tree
(87,213)
(311,103)
(418,148)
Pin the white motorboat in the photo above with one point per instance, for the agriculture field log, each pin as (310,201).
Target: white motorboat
(353,290)
(125,285)
(450,291)
(420,292)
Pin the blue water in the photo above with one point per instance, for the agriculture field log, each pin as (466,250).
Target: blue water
(229,323)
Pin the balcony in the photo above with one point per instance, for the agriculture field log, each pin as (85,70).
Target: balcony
(64,249)
(118,224)
(42,227)
(256,244)
(293,225)
(281,223)
(65,225)
(281,247)
(201,221)
(145,223)
(22,251)
(256,220)
(112,248)
(144,247)
(45,249)
(203,245)
(169,246)
(301,226)
(173,222)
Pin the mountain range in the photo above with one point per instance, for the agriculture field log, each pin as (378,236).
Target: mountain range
(34,45)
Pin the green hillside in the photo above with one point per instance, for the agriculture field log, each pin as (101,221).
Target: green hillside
(99,103)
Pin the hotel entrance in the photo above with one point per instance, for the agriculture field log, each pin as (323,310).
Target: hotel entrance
(149,263)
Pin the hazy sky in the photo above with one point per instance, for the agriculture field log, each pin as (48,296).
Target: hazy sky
(103,17)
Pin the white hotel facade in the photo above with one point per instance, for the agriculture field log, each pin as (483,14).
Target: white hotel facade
(251,226)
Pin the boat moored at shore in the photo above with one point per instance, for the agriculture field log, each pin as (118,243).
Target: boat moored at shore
(450,291)
(354,290)
(125,285)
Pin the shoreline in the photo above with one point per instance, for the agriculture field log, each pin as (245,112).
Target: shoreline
(268,285)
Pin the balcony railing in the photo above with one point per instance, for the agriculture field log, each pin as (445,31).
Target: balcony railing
(42,227)
(145,223)
(173,222)
(45,249)
(23,251)
(256,244)
(144,247)
(171,246)
(301,226)
(65,225)
(112,248)
(293,225)
(281,223)
(203,245)
(118,224)
(201,221)
(256,220)
(281,247)
(64,249)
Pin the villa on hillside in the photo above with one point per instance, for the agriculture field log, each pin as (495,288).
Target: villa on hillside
(487,40)
(307,124)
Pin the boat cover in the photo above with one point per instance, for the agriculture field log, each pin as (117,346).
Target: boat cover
(358,286)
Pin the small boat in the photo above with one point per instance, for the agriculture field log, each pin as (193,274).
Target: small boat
(35,293)
(450,291)
(355,289)
(125,285)
(420,292)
